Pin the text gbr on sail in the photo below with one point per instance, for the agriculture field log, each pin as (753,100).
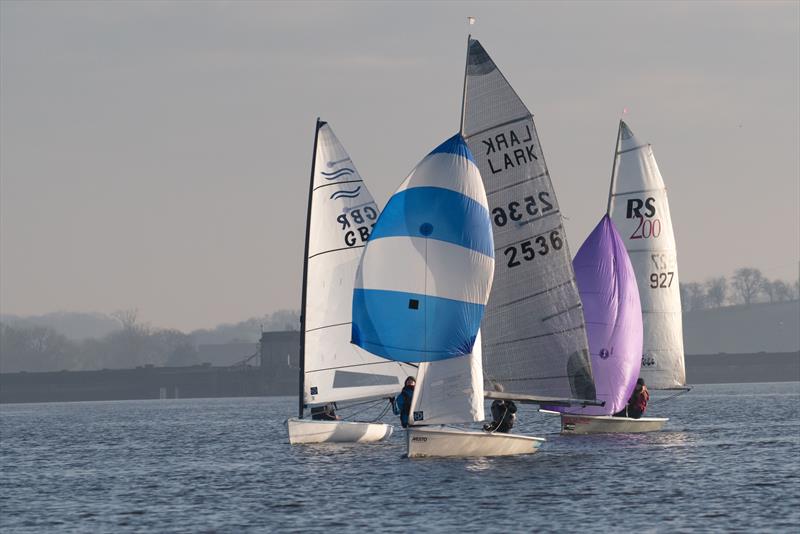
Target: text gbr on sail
(357,224)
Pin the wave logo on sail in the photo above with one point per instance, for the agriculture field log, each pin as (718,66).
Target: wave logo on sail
(333,175)
(344,193)
(337,174)
(604,354)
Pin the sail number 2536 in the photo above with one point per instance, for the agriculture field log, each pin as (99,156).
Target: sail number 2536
(527,250)
(517,210)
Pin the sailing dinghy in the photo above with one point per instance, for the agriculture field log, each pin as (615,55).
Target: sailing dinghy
(638,206)
(613,314)
(421,289)
(534,337)
(341,214)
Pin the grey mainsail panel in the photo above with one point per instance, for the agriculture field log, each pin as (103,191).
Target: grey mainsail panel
(534,336)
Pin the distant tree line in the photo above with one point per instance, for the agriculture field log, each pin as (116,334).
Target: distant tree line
(31,347)
(747,286)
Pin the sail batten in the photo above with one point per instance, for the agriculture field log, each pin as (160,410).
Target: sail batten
(534,340)
(640,210)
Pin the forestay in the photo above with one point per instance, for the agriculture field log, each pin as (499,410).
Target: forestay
(534,338)
(342,216)
(639,208)
(426,272)
(613,314)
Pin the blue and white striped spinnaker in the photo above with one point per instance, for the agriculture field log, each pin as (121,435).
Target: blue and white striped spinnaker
(426,272)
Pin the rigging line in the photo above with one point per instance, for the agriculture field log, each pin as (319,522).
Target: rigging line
(534,295)
(351,365)
(535,219)
(579,327)
(501,125)
(562,312)
(464,90)
(338,183)
(652,190)
(552,377)
(373,404)
(526,180)
(632,149)
(426,297)
(383,412)
(354,404)
(335,250)
(613,170)
(505,412)
(678,394)
(327,326)
(654,250)
(303,299)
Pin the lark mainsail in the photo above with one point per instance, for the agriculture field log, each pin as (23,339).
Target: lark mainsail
(534,337)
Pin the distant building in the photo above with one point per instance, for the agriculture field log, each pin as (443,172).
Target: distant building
(226,354)
(280,362)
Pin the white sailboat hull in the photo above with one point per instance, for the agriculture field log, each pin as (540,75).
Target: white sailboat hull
(310,431)
(442,442)
(607,424)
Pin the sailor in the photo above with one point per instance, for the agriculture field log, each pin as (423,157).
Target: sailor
(638,401)
(402,404)
(504,414)
(324,413)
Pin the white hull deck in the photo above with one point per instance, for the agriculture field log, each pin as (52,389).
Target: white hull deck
(607,424)
(310,431)
(442,442)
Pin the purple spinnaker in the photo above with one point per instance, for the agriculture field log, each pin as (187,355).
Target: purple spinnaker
(613,314)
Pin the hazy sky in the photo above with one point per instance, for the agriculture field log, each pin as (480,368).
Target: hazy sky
(157,155)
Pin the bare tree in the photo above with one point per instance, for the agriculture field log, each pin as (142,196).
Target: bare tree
(748,283)
(768,288)
(693,296)
(782,290)
(127,318)
(716,291)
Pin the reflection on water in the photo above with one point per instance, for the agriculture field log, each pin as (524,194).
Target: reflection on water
(477,465)
(727,460)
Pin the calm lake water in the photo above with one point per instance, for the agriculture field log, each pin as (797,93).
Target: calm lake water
(729,459)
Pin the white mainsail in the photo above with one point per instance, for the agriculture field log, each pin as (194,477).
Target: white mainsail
(449,391)
(639,207)
(534,336)
(342,214)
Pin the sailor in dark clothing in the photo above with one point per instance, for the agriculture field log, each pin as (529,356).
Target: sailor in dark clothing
(401,405)
(504,414)
(324,413)
(638,401)
(637,404)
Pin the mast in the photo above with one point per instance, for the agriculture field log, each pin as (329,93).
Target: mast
(464,90)
(614,170)
(301,391)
